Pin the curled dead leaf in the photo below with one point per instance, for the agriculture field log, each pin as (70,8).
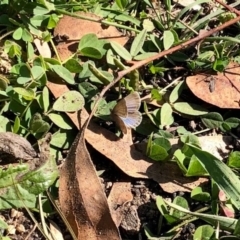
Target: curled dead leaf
(81,196)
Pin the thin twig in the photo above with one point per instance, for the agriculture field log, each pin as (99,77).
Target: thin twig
(30,233)
(231,9)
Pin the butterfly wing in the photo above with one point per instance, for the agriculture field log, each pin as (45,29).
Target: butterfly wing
(133,102)
(119,122)
(120,109)
(125,113)
(132,120)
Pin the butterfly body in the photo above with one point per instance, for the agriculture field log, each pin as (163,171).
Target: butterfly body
(126,114)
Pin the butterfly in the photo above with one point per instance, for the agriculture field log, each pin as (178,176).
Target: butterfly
(125,114)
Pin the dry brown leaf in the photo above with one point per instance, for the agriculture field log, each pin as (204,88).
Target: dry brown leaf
(80,27)
(81,196)
(127,158)
(226,93)
(119,195)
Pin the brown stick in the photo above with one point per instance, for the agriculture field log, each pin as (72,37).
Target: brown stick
(139,64)
(231,9)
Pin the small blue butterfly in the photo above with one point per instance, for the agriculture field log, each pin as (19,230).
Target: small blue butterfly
(126,114)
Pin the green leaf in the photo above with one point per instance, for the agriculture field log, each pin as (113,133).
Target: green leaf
(176,92)
(144,56)
(237,229)
(224,177)
(232,122)
(109,57)
(87,40)
(104,109)
(133,82)
(189,108)
(12,48)
(60,120)
(164,134)
(195,168)
(155,94)
(25,74)
(91,52)
(190,138)
(168,39)
(30,51)
(180,201)
(138,43)
(41,10)
(166,115)
(127,18)
(234,159)
(220,64)
(69,102)
(62,139)
(87,89)
(178,57)
(164,210)
(27,36)
(121,51)
(27,94)
(45,99)
(17,35)
(212,120)
(204,232)
(182,131)
(148,25)
(157,153)
(199,195)
(16,125)
(104,76)
(163,142)
(225,127)
(180,158)
(37,72)
(63,73)
(38,125)
(52,22)
(73,66)
(122,4)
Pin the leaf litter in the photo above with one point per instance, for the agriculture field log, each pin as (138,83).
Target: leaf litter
(132,162)
(99,138)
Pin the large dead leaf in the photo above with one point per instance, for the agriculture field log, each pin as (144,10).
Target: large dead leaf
(81,196)
(78,28)
(225,93)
